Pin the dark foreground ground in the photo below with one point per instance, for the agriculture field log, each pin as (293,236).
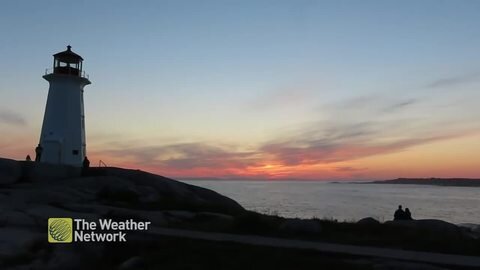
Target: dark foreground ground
(176,253)
(30,193)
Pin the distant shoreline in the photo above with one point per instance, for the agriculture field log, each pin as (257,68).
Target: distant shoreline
(451,182)
(447,182)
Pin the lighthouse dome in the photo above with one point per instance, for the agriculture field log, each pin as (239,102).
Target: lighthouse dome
(68,56)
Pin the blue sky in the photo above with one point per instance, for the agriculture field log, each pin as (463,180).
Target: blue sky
(243,75)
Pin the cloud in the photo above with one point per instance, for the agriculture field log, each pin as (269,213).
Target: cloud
(348,169)
(188,156)
(360,127)
(352,129)
(321,143)
(321,150)
(369,105)
(399,105)
(12,118)
(454,80)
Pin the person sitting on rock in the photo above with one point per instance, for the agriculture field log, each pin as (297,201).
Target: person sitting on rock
(399,214)
(408,214)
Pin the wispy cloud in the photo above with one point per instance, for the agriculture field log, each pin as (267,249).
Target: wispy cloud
(369,105)
(188,156)
(321,150)
(366,126)
(12,118)
(360,127)
(455,80)
(348,169)
(394,106)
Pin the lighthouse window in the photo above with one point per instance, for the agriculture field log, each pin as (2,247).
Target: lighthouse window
(75,152)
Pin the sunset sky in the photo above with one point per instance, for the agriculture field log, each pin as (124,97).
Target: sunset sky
(318,90)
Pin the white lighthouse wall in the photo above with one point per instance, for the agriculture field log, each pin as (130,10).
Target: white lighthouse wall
(63,130)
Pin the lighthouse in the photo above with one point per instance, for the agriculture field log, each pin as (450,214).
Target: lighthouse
(62,139)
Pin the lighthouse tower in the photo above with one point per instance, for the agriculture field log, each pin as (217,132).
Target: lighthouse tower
(62,139)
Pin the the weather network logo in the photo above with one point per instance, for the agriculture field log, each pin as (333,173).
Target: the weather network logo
(60,230)
(68,230)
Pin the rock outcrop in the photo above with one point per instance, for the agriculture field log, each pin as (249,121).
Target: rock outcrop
(433,225)
(31,192)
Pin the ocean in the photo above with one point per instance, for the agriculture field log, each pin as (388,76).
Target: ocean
(350,201)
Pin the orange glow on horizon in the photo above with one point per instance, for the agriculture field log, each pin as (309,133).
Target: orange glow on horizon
(459,157)
(451,158)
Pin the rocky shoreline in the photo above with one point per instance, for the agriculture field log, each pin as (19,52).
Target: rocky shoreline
(30,193)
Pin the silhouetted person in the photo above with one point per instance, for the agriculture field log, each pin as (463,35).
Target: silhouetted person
(86,163)
(399,214)
(28,158)
(38,153)
(408,215)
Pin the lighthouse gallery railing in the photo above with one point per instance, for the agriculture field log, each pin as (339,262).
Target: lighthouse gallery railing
(67,71)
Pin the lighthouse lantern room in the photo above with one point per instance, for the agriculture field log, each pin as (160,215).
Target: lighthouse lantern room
(62,139)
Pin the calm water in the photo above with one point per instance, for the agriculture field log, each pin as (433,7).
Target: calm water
(351,201)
